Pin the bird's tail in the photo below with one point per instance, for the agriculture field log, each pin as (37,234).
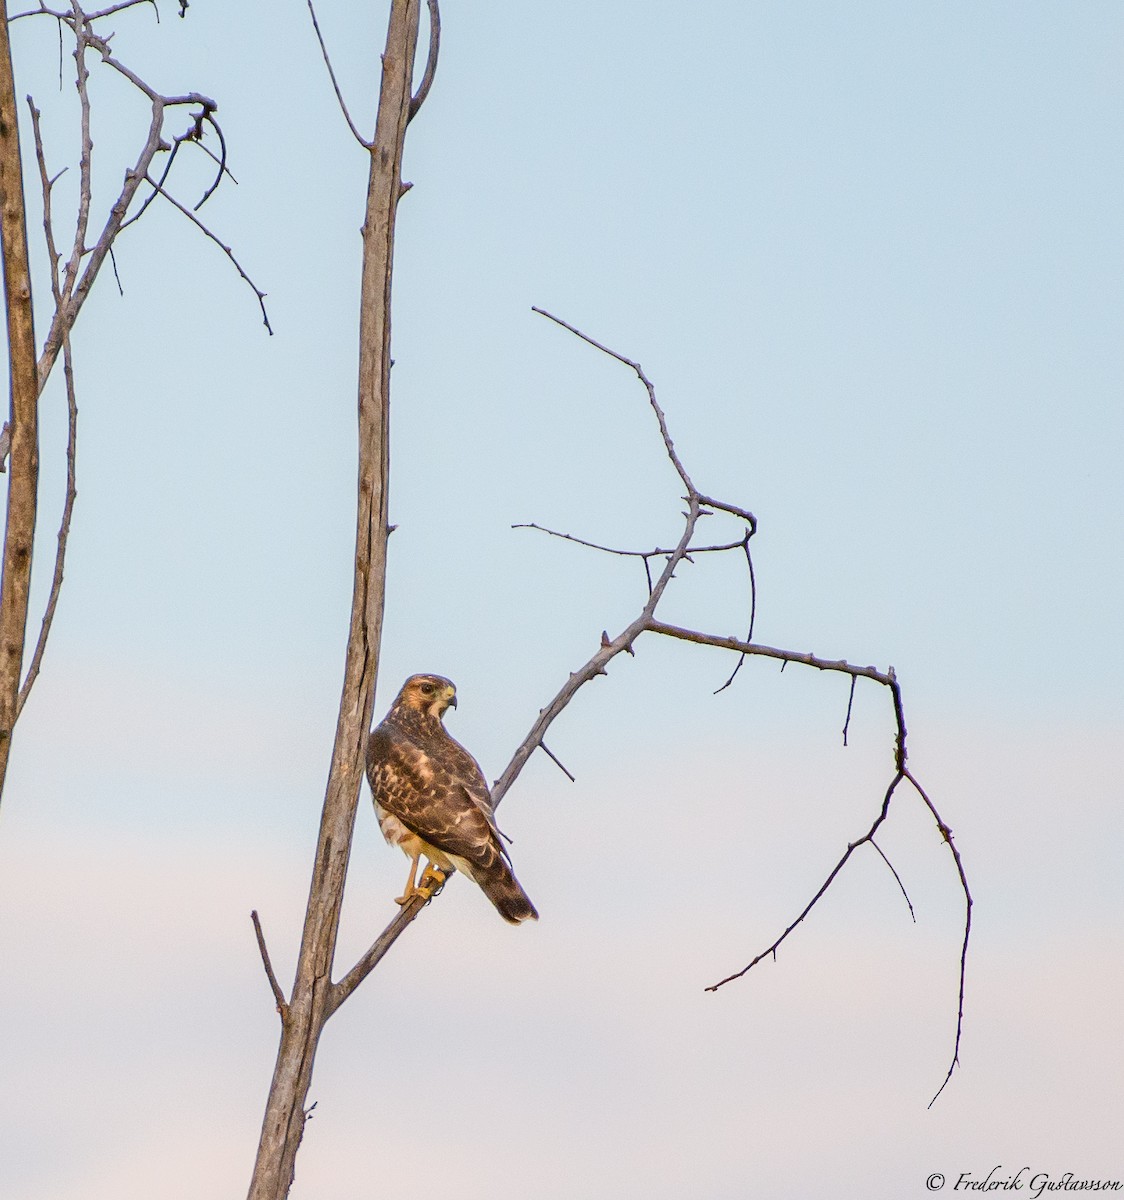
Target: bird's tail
(506,893)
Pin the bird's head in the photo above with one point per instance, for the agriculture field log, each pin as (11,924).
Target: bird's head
(428,694)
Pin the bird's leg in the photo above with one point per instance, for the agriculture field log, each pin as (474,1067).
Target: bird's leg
(432,881)
(410,888)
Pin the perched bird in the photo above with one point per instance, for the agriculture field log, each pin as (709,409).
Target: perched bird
(431,799)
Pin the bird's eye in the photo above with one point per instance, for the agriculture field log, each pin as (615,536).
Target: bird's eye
(427,688)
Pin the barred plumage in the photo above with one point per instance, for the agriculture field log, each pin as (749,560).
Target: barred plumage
(431,799)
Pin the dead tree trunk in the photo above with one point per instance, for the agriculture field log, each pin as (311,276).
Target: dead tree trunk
(23,381)
(311,1003)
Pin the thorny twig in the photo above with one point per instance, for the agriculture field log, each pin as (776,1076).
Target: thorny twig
(221,245)
(646,621)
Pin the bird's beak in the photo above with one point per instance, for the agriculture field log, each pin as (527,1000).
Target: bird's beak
(452,699)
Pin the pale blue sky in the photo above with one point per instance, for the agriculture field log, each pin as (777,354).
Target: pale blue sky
(870,255)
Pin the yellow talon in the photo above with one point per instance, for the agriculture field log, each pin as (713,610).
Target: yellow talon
(432,881)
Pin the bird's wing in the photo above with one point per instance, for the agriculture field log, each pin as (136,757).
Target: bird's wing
(431,796)
(468,775)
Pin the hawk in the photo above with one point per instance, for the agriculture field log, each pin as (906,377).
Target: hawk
(431,798)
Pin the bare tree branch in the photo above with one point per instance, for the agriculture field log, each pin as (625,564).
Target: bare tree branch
(116,8)
(669,446)
(851,848)
(886,678)
(656,553)
(75,296)
(897,877)
(85,261)
(46,185)
(64,529)
(946,833)
(418,98)
(646,621)
(371,959)
(850,705)
(195,135)
(556,760)
(364,142)
(221,245)
(275,987)
(752,609)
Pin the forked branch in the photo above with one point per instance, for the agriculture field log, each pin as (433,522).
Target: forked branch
(851,848)
(670,557)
